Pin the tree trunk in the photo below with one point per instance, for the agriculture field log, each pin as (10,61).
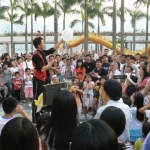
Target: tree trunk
(147,23)
(134,39)
(55,24)
(64,21)
(86,30)
(12,43)
(45,30)
(122,26)
(31,30)
(114,27)
(26,37)
(82,30)
(98,30)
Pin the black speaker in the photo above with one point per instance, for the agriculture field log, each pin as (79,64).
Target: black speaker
(50,90)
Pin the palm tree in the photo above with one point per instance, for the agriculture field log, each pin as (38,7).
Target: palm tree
(122,26)
(12,17)
(26,12)
(45,11)
(66,8)
(55,23)
(147,3)
(3,9)
(136,15)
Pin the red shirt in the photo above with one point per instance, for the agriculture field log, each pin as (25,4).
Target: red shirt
(17,83)
(80,72)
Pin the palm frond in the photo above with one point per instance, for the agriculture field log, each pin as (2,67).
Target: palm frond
(90,24)
(74,22)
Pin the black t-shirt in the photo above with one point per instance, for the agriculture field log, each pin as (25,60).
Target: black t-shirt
(106,66)
(101,72)
(89,66)
(37,59)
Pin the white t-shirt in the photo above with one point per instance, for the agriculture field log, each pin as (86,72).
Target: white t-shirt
(28,64)
(12,69)
(3,121)
(29,82)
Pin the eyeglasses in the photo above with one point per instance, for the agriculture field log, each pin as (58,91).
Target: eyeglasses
(111,65)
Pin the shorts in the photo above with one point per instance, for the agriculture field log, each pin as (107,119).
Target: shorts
(28,92)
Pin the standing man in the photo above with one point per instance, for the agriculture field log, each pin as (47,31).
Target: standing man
(40,66)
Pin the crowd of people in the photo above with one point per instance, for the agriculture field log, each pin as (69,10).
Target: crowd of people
(113,90)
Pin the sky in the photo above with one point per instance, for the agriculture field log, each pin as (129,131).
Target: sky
(38,25)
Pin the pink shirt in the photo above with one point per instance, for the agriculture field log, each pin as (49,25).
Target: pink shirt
(20,68)
(144,81)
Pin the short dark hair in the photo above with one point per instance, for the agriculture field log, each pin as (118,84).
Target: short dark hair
(9,104)
(128,56)
(115,118)
(17,73)
(113,89)
(88,55)
(18,58)
(127,100)
(146,128)
(137,54)
(130,68)
(20,133)
(98,60)
(94,135)
(37,41)
(105,56)
(106,49)
(27,69)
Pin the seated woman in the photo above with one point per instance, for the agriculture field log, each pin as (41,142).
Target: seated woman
(130,85)
(94,135)
(58,131)
(115,118)
(142,79)
(19,134)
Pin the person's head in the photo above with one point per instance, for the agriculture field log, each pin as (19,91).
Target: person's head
(19,134)
(95,99)
(126,100)
(106,51)
(51,72)
(144,58)
(19,60)
(143,72)
(92,57)
(28,71)
(88,78)
(93,52)
(77,56)
(39,43)
(51,57)
(17,75)
(137,56)
(68,62)
(64,59)
(41,121)
(128,59)
(137,100)
(29,57)
(66,56)
(102,80)
(75,80)
(88,58)
(98,63)
(94,135)
(79,64)
(5,65)
(55,79)
(113,65)
(133,59)
(9,105)
(13,64)
(132,80)
(1,74)
(105,59)
(58,58)
(112,90)
(128,69)
(146,129)
(63,120)
(123,58)
(148,68)
(115,118)
(6,56)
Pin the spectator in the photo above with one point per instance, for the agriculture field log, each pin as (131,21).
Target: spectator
(94,135)
(3,86)
(21,134)
(105,64)
(113,92)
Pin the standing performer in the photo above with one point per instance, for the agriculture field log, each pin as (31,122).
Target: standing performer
(40,66)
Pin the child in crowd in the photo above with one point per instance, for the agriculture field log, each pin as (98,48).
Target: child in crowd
(101,100)
(28,90)
(137,117)
(88,86)
(127,100)
(140,141)
(17,82)
(130,85)
(55,79)
(3,84)
(77,92)
(7,76)
(10,108)
(95,105)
